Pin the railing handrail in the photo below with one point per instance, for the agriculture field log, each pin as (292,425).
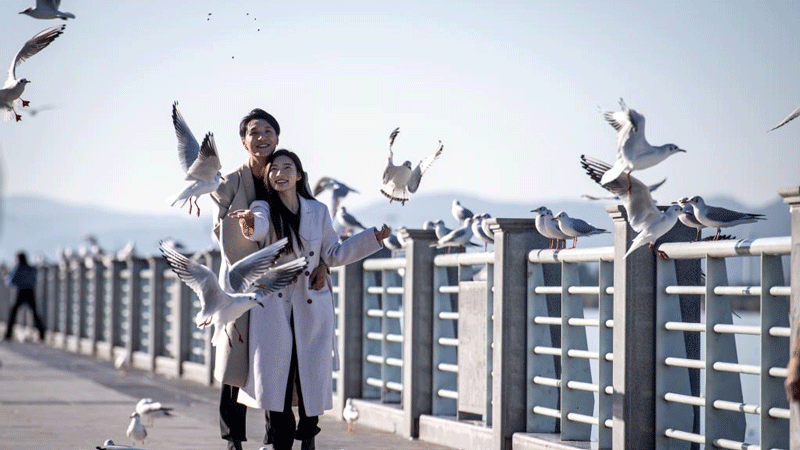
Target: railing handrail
(572,255)
(727,248)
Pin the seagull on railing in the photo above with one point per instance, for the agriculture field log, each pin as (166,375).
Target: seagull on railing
(440,229)
(459,212)
(633,150)
(460,237)
(575,228)
(547,226)
(477,230)
(716,217)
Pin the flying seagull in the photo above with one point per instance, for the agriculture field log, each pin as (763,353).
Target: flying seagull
(47,9)
(716,217)
(338,189)
(13,88)
(643,216)
(399,180)
(788,119)
(146,407)
(219,307)
(633,150)
(200,162)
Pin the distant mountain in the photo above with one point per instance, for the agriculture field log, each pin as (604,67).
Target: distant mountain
(40,225)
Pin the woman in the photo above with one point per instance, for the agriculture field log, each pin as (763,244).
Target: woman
(291,338)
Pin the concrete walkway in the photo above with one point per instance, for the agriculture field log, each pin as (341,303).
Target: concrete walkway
(55,399)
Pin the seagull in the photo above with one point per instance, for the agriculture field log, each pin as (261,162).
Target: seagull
(633,150)
(47,9)
(393,243)
(576,228)
(128,251)
(477,230)
(652,188)
(146,407)
(440,229)
(200,162)
(13,88)
(459,212)
(347,220)
(219,307)
(547,226)
(428,225)
(136,431)
(686,216)
(109,445)
(121,362)
(460,237)
(716,217)
(399,179)
(350,414)
(338,189)
(788,119)
(643,216)
(485,226)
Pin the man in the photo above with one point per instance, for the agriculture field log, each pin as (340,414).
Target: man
(260,133)
(24,279)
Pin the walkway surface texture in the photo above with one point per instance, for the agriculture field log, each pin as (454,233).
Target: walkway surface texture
(54,399)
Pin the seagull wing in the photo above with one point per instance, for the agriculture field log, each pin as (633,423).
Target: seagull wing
(48,4)
(718,214)
(655,186)
(207,164)
(32,47)
(322,184)
(283,275)
(388,173)
(247,270)
(188,148)
(788,119)
(416,174)
(197,276)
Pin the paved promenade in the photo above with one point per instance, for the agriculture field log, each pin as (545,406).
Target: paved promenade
(53,399)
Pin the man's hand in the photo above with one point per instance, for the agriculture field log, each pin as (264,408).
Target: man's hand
(246,220)
(383,233)
(792,383)
(317,277)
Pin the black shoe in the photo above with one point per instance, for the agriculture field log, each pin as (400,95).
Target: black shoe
(234,445)
(307,444)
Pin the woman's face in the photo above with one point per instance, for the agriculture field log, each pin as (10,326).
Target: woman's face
(282,174)
(260,138)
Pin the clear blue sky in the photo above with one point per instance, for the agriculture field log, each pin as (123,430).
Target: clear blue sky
(511,89)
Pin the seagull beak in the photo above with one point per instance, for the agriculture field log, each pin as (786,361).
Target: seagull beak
(260,286)
(260,304)
(222,177)
(681,150)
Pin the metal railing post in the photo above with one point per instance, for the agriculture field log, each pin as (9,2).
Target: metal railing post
(417,328)
(155,336)
(350,306)
(513,239)
(774,353)
(791,196)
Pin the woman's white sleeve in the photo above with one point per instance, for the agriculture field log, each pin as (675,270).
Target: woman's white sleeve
(260,210)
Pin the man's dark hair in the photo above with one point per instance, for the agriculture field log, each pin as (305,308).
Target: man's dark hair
(22,259)
(258,113)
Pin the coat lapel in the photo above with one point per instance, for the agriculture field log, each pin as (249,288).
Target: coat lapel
(308,221)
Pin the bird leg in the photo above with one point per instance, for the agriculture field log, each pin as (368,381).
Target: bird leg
(716,236)
(25,103)
(697,238)
(205,323)
(241,339)
(196,206)
(190,206)
(349,427)
(230,344)
(574,242)
(659,253)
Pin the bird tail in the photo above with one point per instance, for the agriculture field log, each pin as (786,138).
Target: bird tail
(637,242)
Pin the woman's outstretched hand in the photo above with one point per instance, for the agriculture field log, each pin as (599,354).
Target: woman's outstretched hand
(246,220)
(383,233)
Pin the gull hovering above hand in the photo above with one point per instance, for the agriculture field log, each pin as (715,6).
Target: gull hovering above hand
(47,9)
(643,216)
(200,162)
(399,180)
(13,88)
(633,150)
(218,307)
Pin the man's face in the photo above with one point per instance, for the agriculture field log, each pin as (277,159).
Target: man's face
(260,138)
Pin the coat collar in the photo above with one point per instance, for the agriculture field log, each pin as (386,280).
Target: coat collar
(246,177)
(307,221)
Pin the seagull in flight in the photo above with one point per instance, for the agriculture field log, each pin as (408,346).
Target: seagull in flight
(146,407)
(399,180)
(200,162)
(633,150)
(13,88)
(218,307)
(47,9)
(338,189)
(788,119)
(644,217)
(716,217)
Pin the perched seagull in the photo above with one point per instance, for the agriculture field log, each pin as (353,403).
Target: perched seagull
(459,212)
(146,407)
(460,237)
(399,179)
(350,414)
(716,217)
(128,251)
(219,307)
(121,362)
(347,220)
(576,228)
(109,445)
(547,226)
(136,431)
(338,189)
(485,226)
(788,119)
(643,216)
(47,9)
(686,216)
(633,150)
(393,243)
(440,229)
(13,88)
(200,162)
(477,230)
(428,225)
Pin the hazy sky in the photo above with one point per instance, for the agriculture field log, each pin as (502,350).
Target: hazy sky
(510,88)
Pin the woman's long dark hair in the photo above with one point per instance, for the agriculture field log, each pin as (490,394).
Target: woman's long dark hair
(283,221)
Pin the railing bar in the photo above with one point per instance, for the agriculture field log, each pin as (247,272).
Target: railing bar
(542,411)
(723,328)
(379,264)
(539,350)
(685,326)
(780,331)
(736,368)
(448,289)
(579,322)
(581,386)
(544,290)
(584,290)
(687,363)
(445,393)
(738,290)
(685,436)
(583,354)
(780,291)
(746,408)
(544,381)
(735,445)
(545,320)
(444,367)
(446,315)
(685,290)
(449,342)
(581,418)
(779,413)
(778,372)
(684,399)
(394,386)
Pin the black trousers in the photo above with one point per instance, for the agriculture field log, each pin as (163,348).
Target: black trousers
(233,416)
(283,431)
(24,297)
